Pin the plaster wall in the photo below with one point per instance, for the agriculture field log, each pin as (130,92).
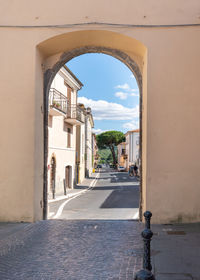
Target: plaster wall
(64,156)
(58,146)
(88,146)
(133,148)
(80,150)
(121,160)
(168,58)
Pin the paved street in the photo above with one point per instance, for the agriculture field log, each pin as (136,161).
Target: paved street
(73,250)
(115,196)
(94,238)
(77,246)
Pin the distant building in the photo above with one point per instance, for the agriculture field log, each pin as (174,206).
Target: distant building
(132,147)
(80,149)
(89,124)
(64,117)
(84,146)
(94,151)
(122,156)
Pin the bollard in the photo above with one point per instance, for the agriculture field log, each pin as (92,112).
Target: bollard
(145,273)
(147,216)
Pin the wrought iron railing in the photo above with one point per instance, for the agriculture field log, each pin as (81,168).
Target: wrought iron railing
(57,100)
(75,112)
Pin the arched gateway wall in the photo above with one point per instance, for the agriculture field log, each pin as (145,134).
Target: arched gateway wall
(166,51)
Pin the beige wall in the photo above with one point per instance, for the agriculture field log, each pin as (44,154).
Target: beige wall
(168,58)
(80,149)
(64,155)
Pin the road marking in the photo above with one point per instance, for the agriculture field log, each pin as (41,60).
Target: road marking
(51,214)
(136,216)
(60,209)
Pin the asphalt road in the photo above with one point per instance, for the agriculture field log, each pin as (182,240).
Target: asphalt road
(114,197)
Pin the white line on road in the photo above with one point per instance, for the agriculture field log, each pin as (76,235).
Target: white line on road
(60,209)
(136,216)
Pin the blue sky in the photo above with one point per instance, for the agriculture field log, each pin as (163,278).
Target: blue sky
(110,89)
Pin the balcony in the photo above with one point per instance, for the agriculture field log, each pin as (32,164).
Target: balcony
(57,103)
(75,115)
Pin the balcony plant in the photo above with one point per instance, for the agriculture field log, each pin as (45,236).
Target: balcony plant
(56,104)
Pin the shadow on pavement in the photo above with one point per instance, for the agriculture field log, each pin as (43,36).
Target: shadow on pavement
(80,187)
(126,198)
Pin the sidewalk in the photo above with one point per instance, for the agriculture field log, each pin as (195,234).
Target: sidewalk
(176,251)
(73,192)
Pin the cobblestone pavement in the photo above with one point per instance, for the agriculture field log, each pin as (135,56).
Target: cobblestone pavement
(73,250)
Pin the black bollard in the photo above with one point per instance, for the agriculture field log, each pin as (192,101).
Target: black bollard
(147,216)
(145,273)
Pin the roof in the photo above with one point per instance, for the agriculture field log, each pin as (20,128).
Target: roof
(68,70)
(122,143)
(131,131)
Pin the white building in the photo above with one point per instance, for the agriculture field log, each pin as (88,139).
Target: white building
(64,116)
(95,155)
(89,124)
(80,149)
(132,146)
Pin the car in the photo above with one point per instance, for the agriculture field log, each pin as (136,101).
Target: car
(121,168)
(99,166)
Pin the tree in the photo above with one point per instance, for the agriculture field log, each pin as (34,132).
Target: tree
(110,139)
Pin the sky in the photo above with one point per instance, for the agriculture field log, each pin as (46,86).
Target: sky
(110,89)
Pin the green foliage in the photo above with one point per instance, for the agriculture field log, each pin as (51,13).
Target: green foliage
(110,139)
(105,156)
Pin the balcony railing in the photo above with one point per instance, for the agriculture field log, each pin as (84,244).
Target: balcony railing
(57,100)
(75,113)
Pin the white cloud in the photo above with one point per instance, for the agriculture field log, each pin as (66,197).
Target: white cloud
(121,95)
(134,94)
(135,90)
(130,91)
(134,124)
(104,110)
(124,86)
(132,76)
(98,130)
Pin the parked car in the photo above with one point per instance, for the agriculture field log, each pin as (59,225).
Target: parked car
(99,166)
(121,168)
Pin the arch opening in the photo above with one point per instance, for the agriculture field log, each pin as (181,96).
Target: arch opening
(49,75)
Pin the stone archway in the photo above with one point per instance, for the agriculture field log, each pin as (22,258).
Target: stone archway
(48,78)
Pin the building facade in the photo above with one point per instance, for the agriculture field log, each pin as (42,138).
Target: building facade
(95,156)
(89,124)
(64,118)
(154,39)
(121,155)
(80,149)
(132,147)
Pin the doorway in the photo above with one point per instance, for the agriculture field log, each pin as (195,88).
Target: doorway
(68,177)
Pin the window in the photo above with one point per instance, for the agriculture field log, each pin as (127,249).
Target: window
(123,151)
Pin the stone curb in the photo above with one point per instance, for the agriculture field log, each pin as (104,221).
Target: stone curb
(71,194)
